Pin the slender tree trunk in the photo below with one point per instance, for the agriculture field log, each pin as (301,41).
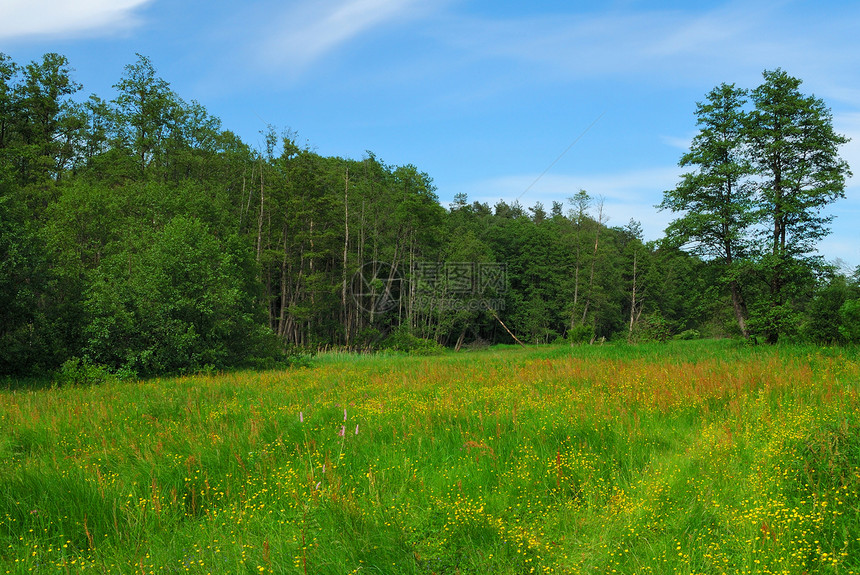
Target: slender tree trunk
(740,307)
(776,295)
(600,222)
(282,318)
(344,309)
(260,219)
(498,319)
(460,340)
(632,301)
(575,293)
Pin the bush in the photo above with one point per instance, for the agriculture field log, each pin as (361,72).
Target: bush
(178,306)
(849,314)
(688,334)
(650,328)
(76,371)
(402,340)
(580,334)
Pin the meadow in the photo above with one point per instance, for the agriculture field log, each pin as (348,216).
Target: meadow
(688,457)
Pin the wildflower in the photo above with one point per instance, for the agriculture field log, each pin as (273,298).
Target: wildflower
(301,417)
(344,414)
(342,430)
(318,485)
(356,429)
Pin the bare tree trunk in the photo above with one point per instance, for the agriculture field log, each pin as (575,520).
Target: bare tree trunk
(284,290)
(575,292)
(460,340)
(633,316)
(498,319)
(260,220)
(345,311)
(740,307)
(600,222)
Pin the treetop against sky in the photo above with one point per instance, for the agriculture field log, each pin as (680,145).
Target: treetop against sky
(483,96)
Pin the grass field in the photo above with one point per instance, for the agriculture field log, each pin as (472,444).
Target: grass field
(692,457)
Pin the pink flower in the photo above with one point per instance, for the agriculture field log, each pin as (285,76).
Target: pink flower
(342,430)
(356,429)
(344,414)
(301,417)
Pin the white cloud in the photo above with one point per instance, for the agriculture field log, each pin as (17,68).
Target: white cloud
(63,18)
(309,31)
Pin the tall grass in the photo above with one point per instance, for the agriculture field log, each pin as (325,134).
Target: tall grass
(690,458)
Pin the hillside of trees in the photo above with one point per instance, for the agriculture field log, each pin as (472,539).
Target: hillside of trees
(138,234)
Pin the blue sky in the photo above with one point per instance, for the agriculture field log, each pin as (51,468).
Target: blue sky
(482,95)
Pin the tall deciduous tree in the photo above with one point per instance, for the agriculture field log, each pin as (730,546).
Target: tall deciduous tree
(763,178)
(8,71)
(795,152)
(147,109)
(717,198)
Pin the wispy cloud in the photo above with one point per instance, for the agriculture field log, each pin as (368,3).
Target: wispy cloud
(20,19)
(308,31)
(608,43)
(732,42)
(628,195)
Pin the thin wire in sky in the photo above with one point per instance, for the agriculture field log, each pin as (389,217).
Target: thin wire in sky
(560,156)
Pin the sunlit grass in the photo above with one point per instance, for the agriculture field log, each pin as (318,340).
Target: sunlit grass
(689,458)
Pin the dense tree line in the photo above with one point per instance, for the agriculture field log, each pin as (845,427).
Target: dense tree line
(138,234)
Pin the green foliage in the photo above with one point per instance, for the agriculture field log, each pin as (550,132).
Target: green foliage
(687,334)
(175,307)
(580,334)
(23,278)
(651,328)
(849,316)
(823,317)
(138,233)
(402,340)
(77,371)
(764,176)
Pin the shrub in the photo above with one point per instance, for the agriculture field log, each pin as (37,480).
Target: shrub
(76,371)
(402,340)
(580,334)
(688,334)
(849,314)
(650,328)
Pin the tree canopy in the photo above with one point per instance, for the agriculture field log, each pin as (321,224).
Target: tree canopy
(754,204)
(139,234)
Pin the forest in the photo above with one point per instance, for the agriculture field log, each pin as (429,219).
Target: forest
(139,235)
